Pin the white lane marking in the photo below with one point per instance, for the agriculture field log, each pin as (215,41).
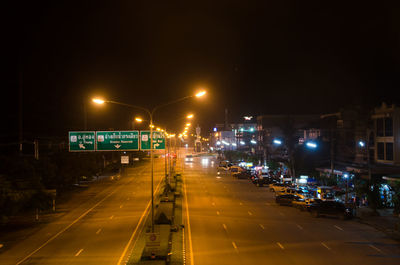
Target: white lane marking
(98,231)
(79,252)
(188,224)
(217,212)
(262,226)
(377,249)
(234,245)
(328,248)
(250,213)
(300,227)
(121,206)
(240,203)
(224,225)
(281,213)
(338,227)
(111,217)
(280,245)
(65,228)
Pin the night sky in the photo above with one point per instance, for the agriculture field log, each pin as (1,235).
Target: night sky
(253,57)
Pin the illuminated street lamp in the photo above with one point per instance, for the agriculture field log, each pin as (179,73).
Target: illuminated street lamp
(201,93)
(138,119)
(188,124)
(98,101)
(151,114)
(190,116)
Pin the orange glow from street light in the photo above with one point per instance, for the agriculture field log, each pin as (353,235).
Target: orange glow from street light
(190,116)
(151,126)
(188,124)
(98,101)
(138,119)
(201,93)
(158,129)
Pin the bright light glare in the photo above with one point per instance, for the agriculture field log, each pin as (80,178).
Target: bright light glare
(218,143)
(200,94)
(138,119)
(98,101)
(361,143)
(311,145)
(188,124)
(151,125)
(190,116)
(234,144)
(253,142)
(158,129)
(242,143)
(278,142)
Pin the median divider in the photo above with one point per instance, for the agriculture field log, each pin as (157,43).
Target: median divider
(165,245)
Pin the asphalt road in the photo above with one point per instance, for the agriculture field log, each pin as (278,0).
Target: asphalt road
(231,221)
(96,231)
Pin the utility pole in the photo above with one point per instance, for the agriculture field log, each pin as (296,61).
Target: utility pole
(20,115)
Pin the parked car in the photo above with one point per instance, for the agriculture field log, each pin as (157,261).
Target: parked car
(285,199)
(243,175)
(277,187)
(302,203)
(332,208)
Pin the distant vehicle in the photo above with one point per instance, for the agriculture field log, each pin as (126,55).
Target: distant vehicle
(277,187)
(189,158)
(235,170)
(243,175)
(302,204)
(285,199)
(332,208)
(223,165)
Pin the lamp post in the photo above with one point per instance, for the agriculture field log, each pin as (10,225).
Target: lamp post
(150,114)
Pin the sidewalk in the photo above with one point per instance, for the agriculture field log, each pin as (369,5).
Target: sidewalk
(385,221)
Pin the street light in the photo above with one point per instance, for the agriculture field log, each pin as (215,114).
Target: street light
(150,112)
(190,116)
(188,124)
(98,101)
(277,142)
(138,119)
(201,93)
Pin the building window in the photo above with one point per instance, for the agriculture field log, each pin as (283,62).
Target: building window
(389,126)
(379,127)
(389,151)
(381,151)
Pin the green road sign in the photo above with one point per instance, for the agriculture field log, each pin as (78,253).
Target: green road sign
(117,140)
(81,141)
(158,140)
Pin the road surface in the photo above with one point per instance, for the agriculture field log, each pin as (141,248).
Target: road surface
(97,231)
(231,221)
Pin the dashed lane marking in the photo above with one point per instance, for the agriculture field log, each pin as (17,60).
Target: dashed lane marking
(267,203)
(377,249)
(262,226)
(250,213)
(338,227)
(281,213)
(280,245)
(224,225)
(213,203)
(111,217)
(328,248)
(98,231)
(121,206)
(300,227)
(79,252)
(234,245)
(217,212)
(240,203)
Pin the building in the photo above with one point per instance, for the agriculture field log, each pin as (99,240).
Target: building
(279,134)
(386,132)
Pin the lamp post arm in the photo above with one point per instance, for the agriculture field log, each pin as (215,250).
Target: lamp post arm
(130,106)
(169,103)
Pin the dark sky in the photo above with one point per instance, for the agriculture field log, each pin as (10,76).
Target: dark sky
(254,57)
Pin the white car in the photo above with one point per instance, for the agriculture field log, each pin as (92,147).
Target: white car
(189,158)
